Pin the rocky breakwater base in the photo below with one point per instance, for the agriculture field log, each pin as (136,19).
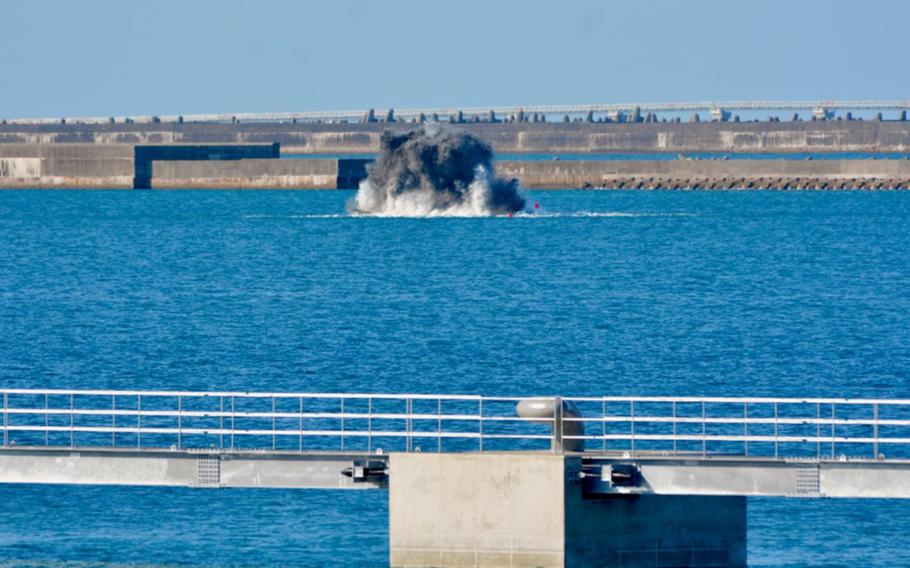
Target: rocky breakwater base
(710,174)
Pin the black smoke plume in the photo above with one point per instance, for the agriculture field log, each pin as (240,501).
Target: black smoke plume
(435,171)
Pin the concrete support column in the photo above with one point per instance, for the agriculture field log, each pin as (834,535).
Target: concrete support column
(511,509)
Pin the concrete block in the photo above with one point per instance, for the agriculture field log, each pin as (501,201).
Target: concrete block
(514,509)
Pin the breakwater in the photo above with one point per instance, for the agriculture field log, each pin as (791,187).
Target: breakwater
(123,166)
(126,166)
(201,155)
(259,174)
(711,174)
(619,174)
(66,165)
(506,137)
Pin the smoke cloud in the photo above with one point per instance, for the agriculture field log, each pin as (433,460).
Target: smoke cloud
(435,171)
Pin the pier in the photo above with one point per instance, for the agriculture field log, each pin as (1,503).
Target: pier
(474,480)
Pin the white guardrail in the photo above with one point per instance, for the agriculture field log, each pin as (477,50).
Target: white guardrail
(784,428)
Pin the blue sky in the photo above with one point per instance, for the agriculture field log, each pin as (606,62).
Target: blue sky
(117,57)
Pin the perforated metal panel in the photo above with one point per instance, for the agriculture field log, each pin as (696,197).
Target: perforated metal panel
(208,471)
(808,479)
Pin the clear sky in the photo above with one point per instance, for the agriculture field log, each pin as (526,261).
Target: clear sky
(121,57)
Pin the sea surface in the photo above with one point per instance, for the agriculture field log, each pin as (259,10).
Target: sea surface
(757,293)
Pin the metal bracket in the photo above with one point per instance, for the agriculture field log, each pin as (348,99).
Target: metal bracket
(366,470)
(621,475)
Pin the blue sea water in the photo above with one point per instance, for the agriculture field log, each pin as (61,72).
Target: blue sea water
(606,293)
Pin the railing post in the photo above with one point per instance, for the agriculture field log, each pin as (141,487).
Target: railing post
(179,422)
(704,430)
(833,415)
(603,422)
(746,427)
(818,430)
(113,421)
(480,421)
(369,425)
(5,419)
(274,424)
(557,445)
(72,421)
(47,421)
(233,419)
(342,424)
(139,421)
(674,429)
(875,430)
(221,422)
(439,426)
(407,423)
(632,424)
(776,440)
(300,428)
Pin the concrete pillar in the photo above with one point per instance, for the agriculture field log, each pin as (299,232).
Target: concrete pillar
(529,509)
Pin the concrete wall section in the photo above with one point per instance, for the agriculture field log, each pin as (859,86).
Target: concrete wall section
(97,468)
(179,468)
(144,156)
(705,173)
(827,136)
(516,510)
(351,172)
(476,510)
(65,165)
(246,174)
(870,479)
(79,165)
(27,168)
(655,531)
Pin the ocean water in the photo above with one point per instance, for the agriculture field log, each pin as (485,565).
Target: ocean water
(604,293)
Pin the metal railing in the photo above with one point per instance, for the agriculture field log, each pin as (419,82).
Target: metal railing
(782,428)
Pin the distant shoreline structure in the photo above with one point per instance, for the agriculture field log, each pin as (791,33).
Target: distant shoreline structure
(607,112)
(205,155)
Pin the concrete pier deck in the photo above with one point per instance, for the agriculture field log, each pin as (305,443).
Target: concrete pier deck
(479,481)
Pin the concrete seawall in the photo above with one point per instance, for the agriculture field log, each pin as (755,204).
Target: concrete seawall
(710,174)
(66,166)
(246,174)
(125,166)
(80,165)
(146,156)
(641,174)
(809,136)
